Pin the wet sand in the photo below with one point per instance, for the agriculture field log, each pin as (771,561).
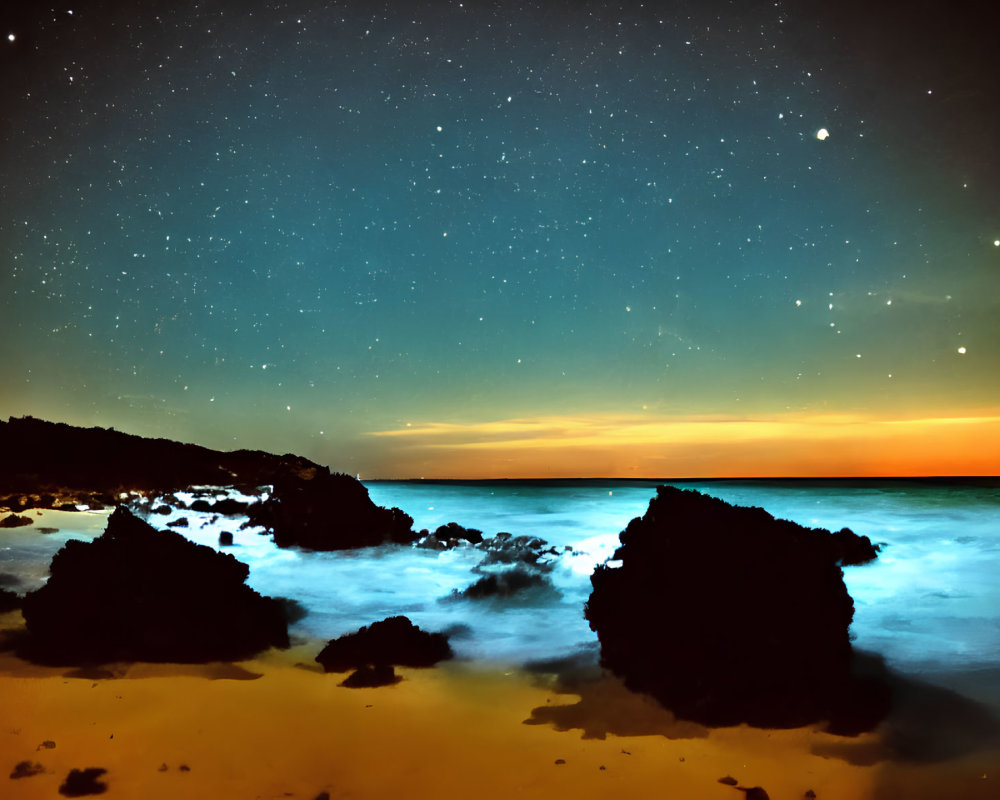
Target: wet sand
(276,727)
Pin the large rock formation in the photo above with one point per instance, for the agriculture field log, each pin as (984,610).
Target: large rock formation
(136,593)
(320,510)
(727,615)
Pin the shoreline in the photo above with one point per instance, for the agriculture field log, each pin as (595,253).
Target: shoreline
(277,726)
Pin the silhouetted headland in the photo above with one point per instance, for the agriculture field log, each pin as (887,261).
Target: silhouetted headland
(307,505)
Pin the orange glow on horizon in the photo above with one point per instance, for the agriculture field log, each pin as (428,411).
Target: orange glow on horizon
(621,446)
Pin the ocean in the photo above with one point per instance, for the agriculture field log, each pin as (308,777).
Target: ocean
(930,604)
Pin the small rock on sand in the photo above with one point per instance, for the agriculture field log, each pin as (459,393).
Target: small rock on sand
(25,769)
(82,782)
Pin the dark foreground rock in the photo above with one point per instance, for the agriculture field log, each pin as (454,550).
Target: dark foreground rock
(726,615)
(136,593)
(320,510)
(15,521)
(83,782)
(395,640)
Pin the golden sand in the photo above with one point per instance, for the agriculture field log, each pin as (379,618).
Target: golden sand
(276,727)
(270,729)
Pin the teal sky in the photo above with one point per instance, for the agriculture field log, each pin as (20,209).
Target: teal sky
(297,226)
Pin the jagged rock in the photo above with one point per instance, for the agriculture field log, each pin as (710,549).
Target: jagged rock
(15,521)
(453,533)
(727,615)
(506,583)
(505,548)
(83,782)
(225,539)
(180,522)
(161,509)
(136,593)
(448,536)
(320,510)
(395,640)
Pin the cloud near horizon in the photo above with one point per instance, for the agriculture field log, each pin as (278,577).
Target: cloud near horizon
(615,445)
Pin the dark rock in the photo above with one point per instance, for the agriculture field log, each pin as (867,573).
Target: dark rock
(180,522)
(727,615)
(453,533)
(729,780)
(320,510)
(308,506)
(82,782)
(9,600)
(851,549)
(371,676)
(322,796)
(102,461)
(48,530)
(505,548)
(48,744)
(810,793)
(506,583)
(136,593)
(395,640)
(161,509)
(754,793)
(229,507)
(15,521)
(26,769)
(428,541)
(225,539)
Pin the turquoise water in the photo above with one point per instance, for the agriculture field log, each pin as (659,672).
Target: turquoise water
(930,604)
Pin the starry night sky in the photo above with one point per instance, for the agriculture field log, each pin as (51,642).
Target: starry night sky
(539,238)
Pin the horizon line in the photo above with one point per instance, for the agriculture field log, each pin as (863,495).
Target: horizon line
(697,479)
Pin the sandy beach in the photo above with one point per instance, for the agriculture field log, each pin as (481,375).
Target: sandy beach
(277,727)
